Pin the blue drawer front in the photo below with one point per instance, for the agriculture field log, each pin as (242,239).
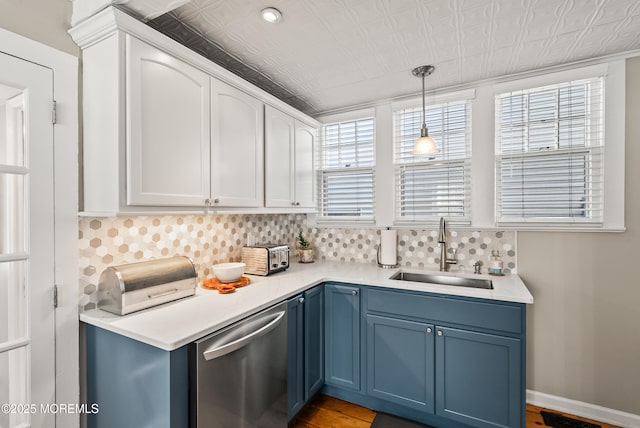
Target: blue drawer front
(493,316)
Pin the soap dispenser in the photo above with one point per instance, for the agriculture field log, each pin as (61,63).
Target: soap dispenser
(495,263)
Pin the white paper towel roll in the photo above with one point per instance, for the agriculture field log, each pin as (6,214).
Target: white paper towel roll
(388,247)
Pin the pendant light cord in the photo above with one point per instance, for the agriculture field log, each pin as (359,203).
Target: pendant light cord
(424,118)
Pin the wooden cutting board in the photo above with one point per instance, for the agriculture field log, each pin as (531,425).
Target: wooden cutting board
(225,287)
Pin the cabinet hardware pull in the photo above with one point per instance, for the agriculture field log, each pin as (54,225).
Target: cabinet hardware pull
(354,292)
(429,330)
(301,300)
(439,332)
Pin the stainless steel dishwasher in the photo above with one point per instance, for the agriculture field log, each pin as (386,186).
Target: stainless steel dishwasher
(238,376)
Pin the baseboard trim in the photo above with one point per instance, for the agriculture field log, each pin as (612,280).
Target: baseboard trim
(585,410)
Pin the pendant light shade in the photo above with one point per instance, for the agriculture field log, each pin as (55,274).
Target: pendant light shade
(425,145)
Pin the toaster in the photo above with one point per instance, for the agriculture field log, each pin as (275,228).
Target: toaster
(135,286)
(265,259)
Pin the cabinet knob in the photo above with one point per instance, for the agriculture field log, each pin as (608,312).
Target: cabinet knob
(429,330)
(207,202)
(301,300)
(439,332)
(216,201)
(354,292)
(297,204)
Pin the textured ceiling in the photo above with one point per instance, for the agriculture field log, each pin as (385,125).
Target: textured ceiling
(328,54)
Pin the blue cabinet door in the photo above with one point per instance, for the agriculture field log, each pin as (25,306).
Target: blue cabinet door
(342,336)
(400,362)
(295,351)
(478,378)
(313,341)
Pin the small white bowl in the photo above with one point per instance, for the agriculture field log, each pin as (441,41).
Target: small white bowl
(228,272)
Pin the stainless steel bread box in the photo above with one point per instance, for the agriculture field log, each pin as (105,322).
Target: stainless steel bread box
(132,287)
(265,259)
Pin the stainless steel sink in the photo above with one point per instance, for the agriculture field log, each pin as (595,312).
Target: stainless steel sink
(443,280)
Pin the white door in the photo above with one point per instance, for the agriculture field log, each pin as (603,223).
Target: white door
(27,319)
(237,147)
(279,135)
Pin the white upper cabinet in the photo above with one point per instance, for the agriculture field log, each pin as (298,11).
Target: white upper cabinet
(237,147)
(289,160)
(304,177)
(279,133)
(167,129)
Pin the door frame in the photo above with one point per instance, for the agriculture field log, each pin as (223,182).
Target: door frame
(66,172)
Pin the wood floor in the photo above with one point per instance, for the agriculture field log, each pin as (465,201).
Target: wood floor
(328,412)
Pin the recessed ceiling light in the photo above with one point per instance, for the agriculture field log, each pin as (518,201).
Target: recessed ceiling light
(271,15)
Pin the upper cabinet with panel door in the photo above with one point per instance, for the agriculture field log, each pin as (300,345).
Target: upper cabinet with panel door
(166,130)
(289,161)
(167,119)
(237,147)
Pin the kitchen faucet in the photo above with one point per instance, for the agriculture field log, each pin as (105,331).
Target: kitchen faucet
(442,240)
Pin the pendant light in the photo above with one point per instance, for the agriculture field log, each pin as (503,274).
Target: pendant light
(425,145)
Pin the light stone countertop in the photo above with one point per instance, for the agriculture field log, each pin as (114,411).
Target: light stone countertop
(172,325)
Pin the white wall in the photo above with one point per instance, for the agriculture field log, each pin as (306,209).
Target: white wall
(43,21)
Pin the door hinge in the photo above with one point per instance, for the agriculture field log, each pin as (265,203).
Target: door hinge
(53,112)
(55,296)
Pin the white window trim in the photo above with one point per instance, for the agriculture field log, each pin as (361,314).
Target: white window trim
(314,219)
(614,141)
(483,146)
(466,97)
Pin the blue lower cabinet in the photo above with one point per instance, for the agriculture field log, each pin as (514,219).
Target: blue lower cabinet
(342,335)
(295,355)
(478,378)
(134,384)
(313,341)
(400,362)
(305,348)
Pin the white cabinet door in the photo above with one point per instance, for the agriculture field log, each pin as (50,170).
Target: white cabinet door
(305,139)
(167,129)
(237,147)
(279,161)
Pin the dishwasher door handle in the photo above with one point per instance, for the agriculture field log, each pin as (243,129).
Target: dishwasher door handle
(219,351)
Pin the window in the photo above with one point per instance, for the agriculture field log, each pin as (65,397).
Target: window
(347,160)
(427,188)
(549,154)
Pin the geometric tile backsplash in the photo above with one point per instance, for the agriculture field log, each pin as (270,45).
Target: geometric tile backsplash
(211,239)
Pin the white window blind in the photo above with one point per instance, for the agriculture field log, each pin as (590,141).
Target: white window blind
(346,171)
(549,154)
(433,186)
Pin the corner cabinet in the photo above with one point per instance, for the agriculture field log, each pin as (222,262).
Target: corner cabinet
(167,130)
(289,160)
(167,125)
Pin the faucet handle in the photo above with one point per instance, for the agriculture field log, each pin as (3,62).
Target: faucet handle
(477,266)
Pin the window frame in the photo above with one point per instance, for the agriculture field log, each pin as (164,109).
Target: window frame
(612,218)
(465,98)
(322,173)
